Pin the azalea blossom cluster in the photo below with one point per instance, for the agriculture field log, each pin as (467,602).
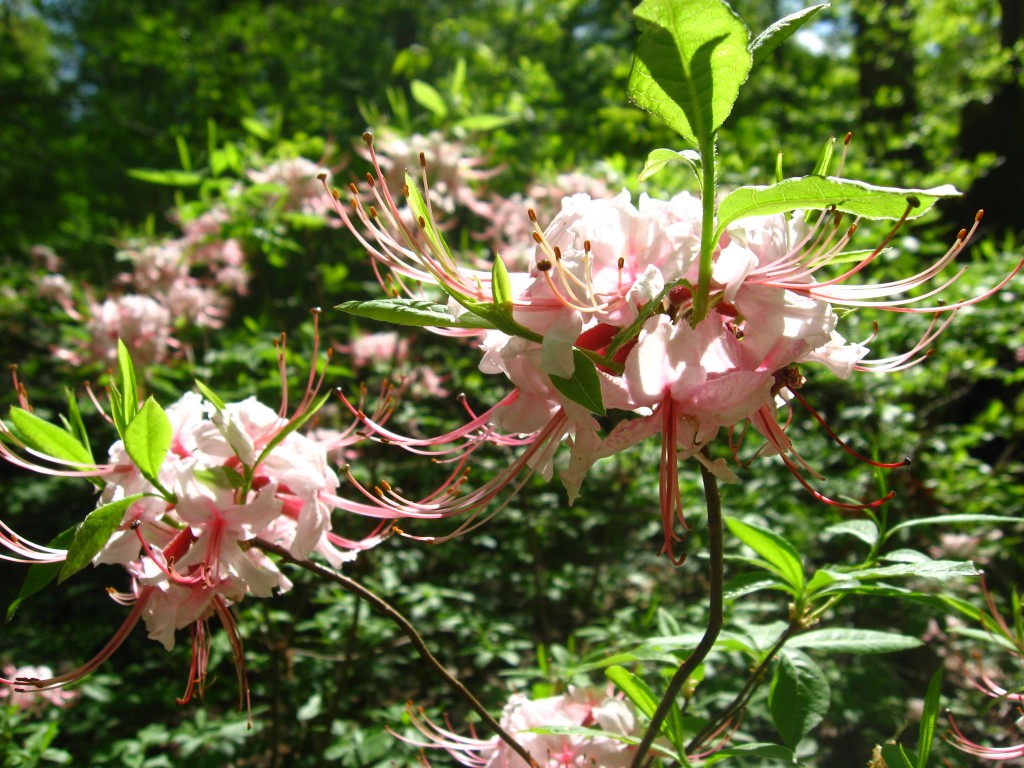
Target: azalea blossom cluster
(611,286)
(178,283)
(456,173)
(234,474)
(580,707)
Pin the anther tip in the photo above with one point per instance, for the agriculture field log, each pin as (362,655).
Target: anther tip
(322,176)
(368,138)
(849,138)
(980,214)
(533,214)
(423,160)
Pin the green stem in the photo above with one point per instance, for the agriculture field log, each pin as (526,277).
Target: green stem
(385,608)
(707,232)
(715,617)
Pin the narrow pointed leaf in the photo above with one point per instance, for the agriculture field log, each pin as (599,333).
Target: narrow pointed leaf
(636,690)
(294,424)
(824,161)
(418,205)
(852,640)
(781,31)
(929,716)
(210,396)
(169,178)
(50,439)
(954,520)
(127,385)
(147,440)
(427,96)
(659,158)
(94,533)
(690,62)
(501,286)
(821,192)
(412,312)
(584,386)
(778,553)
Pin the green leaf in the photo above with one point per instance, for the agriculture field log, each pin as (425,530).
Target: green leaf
(865,530)
(124,401)
(825,158)
(50,439)
(419,208)
(659,158)
(940,570)
(954,520)
(413,312)
(821,192)
(292,425)
(820,580)
(501,286)
(40,575)
(929,717)
(638,692)
(690,62)
(167,178)
(799,697)
(257,128)
(428,97)
(746,583)
(77,427)
(780,31)
(759,749)
(210,396)
(147,440)
(895,756)
(781,557)
(584,386)
(94,533)
(841,640)
(485,122)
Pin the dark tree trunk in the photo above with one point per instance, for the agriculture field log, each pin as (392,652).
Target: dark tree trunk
(884,56)
(998,126)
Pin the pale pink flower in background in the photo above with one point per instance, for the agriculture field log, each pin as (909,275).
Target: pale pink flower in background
(144,324)
(587,708)
(155,266)
(203,307)
(28,700)
(298,178)
(383,347)
(45,257)
(57,289)
(454,173)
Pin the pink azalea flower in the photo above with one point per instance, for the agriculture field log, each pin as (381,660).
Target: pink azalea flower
(595,269)
(588,708)
(233,473)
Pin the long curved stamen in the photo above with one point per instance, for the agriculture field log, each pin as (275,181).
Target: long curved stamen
(835,438)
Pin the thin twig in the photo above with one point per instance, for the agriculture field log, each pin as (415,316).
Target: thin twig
(406,626)
(743,697)
(715,617)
